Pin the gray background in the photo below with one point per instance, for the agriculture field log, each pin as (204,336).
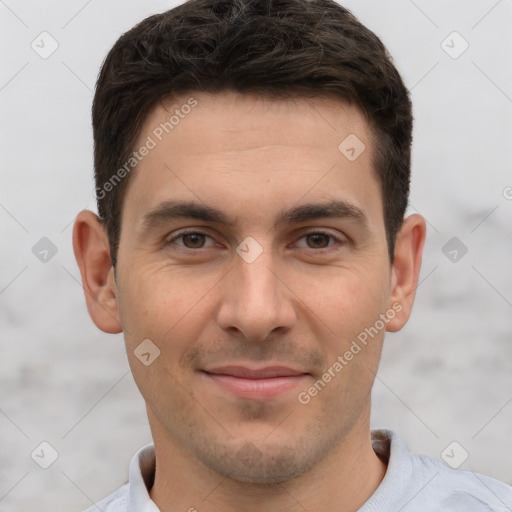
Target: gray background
(446,377)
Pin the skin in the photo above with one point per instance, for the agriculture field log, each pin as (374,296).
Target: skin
(300,304)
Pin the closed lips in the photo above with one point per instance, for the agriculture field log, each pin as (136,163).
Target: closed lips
(263,373)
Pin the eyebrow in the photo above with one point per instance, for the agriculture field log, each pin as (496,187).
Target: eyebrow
(172,210)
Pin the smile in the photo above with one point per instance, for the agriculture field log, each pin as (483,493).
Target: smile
(262,384)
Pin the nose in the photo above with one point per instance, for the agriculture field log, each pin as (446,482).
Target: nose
(255,299)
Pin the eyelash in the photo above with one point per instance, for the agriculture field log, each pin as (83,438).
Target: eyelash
(337,240)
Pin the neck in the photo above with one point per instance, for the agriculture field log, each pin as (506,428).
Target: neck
(347,477)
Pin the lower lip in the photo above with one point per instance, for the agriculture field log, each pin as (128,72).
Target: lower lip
(256,389)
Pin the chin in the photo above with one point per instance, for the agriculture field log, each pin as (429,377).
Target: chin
(266,466)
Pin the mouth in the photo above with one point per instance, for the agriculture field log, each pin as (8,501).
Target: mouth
(255,384)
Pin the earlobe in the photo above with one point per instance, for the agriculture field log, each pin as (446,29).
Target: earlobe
(92,254)
(406,269)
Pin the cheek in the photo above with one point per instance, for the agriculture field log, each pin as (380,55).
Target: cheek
(156,301)
(346,301)
(352,334)
(173,321)
(167,308)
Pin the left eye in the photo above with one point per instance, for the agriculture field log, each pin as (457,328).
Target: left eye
(318,240)
(197,240)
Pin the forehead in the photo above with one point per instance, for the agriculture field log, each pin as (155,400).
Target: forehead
(247,151)
(229,121)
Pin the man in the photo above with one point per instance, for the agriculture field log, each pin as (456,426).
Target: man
(252,164)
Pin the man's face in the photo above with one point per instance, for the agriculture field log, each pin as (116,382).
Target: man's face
(249,315)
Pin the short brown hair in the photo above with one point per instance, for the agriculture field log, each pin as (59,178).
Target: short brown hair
(277,48)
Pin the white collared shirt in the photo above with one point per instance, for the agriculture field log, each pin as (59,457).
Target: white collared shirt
(413,483)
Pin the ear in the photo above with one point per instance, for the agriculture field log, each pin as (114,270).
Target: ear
(405,270)
(92,253)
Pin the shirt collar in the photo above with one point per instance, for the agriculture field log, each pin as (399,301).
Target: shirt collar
(142,476)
